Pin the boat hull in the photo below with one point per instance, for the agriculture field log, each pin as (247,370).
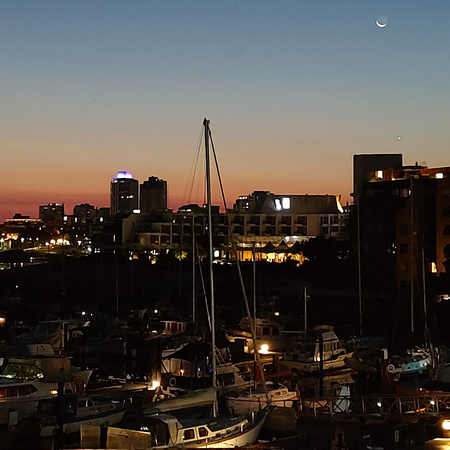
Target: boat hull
(314,366)
(239,434)
(75,426)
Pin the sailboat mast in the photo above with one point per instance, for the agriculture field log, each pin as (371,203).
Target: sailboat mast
(211,274)
(193,268)
(411,212)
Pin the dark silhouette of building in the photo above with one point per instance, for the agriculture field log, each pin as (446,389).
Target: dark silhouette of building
(402,219)
(84,213)
(153,195)
(363,165)
(52,214)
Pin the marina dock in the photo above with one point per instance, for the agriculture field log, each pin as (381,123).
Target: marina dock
(381,421)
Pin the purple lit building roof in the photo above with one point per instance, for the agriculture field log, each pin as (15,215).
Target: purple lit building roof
(123,174)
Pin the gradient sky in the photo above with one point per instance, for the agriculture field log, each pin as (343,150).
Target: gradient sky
(293,89)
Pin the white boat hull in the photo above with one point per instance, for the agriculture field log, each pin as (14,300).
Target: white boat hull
(239,434)
(242,439)
(314,366)
(241,406)
(411,368)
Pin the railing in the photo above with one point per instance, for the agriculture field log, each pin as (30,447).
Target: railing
(382,405)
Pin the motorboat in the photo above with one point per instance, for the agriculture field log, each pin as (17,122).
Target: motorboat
(19,399)
(188,367)
(372,360)
(268,333)
(317,350)
(255,399)
(415,362)
(55,333)
(26,380)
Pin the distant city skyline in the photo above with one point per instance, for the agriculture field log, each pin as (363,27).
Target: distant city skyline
(293,89)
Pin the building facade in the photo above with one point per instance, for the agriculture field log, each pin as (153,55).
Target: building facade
(274,219)
(124,193)
(84,213)
(402,221)
(52,214)
(153,195)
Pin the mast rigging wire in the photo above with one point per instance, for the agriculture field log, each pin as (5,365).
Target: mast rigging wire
(241,279)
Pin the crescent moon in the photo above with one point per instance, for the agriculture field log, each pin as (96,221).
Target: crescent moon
(380,25)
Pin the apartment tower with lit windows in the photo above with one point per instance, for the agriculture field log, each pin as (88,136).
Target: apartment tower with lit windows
(124,193)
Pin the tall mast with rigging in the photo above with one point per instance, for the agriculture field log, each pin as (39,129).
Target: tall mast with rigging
(211,273)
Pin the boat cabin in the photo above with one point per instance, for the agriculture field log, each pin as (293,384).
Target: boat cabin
(173,327)
(268,335)
(166,430)
(308,347)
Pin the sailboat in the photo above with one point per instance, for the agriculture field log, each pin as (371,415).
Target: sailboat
(165,430)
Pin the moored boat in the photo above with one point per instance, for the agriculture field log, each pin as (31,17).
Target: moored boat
(316,350)
(372,360)
(165,430)
(415,362)
(26,380)
(268,335)
(67,413)
(170,400)
(250,400)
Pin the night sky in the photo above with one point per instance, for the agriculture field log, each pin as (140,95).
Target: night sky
(292,89)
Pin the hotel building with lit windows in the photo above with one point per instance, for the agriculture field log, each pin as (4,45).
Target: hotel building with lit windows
(259,222)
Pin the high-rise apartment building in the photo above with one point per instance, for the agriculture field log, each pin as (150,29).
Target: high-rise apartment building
(52,214)
(153,195)
(124,193)
(84,213)
(365,164)
(402,224)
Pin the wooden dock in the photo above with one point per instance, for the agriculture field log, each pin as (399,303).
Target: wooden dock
(384,421)
(431,404)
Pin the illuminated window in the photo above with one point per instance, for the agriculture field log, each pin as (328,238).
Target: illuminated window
(439,175)
(286,202)
(277,204)
(379,174)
